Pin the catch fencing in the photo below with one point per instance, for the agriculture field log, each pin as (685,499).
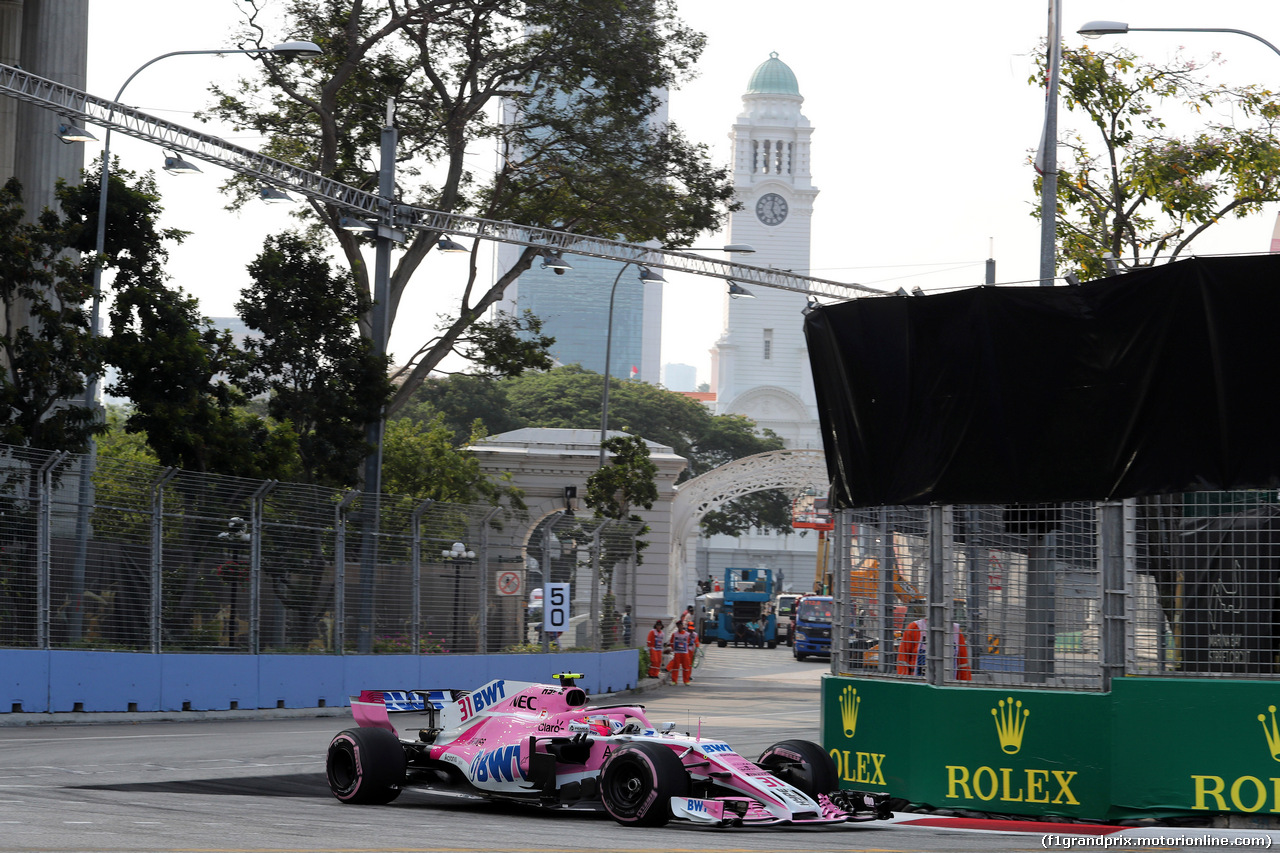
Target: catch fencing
(1063,596)
(98,553)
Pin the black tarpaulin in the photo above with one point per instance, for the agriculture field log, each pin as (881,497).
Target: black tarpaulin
(1156,381)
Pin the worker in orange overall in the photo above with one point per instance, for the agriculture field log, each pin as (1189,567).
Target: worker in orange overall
(681,654)
(657,639)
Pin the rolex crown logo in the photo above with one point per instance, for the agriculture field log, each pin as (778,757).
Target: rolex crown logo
(1273,735)
(1011,724)
(849,703)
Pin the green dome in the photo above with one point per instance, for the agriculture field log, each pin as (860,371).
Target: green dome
(773,77)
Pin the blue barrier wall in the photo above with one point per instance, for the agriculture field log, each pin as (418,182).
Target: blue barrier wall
(58,681)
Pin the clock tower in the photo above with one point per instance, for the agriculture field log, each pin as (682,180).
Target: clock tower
(760,365)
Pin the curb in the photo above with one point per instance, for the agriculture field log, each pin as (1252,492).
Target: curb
(1154,835)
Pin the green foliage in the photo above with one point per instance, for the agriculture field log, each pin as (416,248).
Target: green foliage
(627,480)
(321,376)
(1137,190)
(463,400)
(119,445)
(420,461)
(45,348)
(576,81)
(172,364)
(506,346)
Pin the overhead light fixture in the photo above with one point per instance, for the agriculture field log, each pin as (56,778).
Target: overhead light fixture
(901,291)
(1072,279)
(738,291)
(552,261)
(451,246)
(274,195)
(809,306)
(647,275)
(175,165)
(355,226)
(917,291)
(1110,260)
(297,50)
(70,133)
(1093,29)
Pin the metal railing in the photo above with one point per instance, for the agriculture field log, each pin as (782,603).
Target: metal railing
(120,118)
(1061,595)
(175,561)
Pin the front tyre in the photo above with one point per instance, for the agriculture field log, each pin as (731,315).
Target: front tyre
(638,782)
(365,766)
(801,764)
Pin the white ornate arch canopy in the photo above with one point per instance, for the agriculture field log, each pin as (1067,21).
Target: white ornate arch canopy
(790,470)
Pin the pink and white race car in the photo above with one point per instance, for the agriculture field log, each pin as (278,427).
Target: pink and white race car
(544,745)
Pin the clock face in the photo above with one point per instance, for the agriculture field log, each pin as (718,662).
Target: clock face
(771,209)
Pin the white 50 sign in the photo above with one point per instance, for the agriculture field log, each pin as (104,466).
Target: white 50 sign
(555,607)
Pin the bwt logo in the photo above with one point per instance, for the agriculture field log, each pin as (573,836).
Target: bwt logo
(486,696)
(716,747)
(695,806)
(500,765)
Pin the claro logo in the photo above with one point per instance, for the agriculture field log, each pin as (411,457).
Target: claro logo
(1010,784)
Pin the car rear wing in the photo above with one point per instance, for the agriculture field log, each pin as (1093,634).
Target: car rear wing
(421,709)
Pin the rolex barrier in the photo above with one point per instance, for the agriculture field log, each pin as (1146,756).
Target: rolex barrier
(1095,661)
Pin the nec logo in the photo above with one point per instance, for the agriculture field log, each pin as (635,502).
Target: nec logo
(525,702)
(716,747)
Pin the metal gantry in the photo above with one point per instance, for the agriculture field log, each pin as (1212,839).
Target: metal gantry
(75,104)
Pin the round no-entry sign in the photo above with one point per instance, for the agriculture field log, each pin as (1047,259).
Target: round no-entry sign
(509,583)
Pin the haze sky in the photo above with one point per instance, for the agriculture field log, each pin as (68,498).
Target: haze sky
(923,125)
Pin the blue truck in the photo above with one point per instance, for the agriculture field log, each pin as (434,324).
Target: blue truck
(744,616)
(812,632)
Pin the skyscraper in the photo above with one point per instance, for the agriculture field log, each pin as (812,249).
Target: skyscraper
(574,308)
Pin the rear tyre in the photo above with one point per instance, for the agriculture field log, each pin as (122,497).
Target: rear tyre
(722,643)
(365,766)
(799,655)
(638,782)
(801,764)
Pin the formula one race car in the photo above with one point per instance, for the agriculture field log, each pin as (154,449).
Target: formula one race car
(542,744)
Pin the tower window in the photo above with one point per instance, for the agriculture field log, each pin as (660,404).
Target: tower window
(768,344)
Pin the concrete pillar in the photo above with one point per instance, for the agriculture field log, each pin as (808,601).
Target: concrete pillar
(10,48)
(55,40)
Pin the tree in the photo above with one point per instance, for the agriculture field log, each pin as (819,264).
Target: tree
(322,377)
(172,365)
(45,346)
(628,480)
(578,82)
(1135,189)
(420,461)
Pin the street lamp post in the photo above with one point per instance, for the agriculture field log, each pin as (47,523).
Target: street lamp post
(1093,29)
(286,50)
(457,553)
(646,275)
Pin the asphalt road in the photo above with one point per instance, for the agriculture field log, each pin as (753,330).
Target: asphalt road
(245,786)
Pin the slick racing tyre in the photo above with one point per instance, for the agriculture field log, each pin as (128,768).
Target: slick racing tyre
(801,764)
(638,783)
(365,766)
